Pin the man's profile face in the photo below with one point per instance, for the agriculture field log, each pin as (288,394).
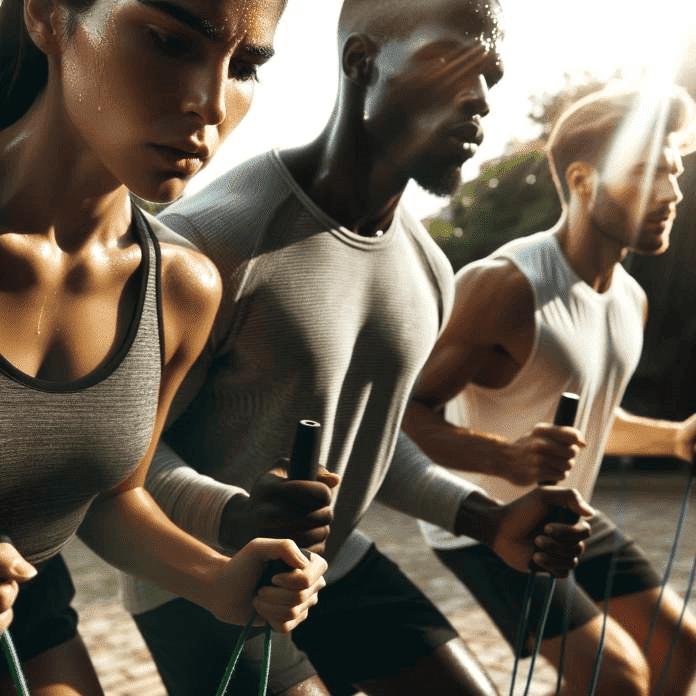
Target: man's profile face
(423,113)
(639,210)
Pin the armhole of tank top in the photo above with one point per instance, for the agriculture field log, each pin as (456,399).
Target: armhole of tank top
(537,331)
(158,296)
(157,260)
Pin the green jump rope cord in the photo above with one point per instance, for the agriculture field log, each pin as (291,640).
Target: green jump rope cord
(239,645)
(14,664)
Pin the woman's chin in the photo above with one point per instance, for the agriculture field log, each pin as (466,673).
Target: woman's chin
(161,192)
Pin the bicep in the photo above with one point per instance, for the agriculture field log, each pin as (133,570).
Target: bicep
(468,340)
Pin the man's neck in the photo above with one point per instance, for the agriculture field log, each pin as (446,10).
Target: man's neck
(338,172)
(591,254)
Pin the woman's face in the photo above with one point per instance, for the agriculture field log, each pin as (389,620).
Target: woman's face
(153,87)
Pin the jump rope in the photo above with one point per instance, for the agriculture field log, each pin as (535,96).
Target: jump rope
(303,467)
(566,412)
(10,652)
(565,415)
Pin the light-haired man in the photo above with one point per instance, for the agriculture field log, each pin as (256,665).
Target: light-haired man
(556,312)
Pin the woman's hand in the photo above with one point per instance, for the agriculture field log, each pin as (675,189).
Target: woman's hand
(13,570)
(284,604)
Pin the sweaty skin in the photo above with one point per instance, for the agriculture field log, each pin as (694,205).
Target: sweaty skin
(138,97)
(490,337)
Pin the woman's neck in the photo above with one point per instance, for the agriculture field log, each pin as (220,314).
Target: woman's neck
(52,184)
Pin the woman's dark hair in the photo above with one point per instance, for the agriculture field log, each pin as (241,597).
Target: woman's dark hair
(23,67)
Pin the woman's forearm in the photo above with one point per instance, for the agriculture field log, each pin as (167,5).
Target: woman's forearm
(130,531)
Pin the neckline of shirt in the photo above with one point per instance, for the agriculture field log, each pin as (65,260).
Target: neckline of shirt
(582,285)
(333,226)
(113,361)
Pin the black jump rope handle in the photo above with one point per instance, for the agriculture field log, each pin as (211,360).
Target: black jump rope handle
(566,411)
(304,466)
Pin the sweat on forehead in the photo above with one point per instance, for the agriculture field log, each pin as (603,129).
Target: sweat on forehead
(385,20)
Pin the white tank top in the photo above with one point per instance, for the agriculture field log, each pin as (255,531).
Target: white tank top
(584,342)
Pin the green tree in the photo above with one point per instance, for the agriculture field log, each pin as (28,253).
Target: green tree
(513,195)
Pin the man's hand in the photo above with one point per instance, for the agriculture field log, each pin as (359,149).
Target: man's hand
(546,454)
(685,441)
(280,508)
(517,532)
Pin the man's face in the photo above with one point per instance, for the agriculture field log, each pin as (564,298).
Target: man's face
(640,210)
(423,112)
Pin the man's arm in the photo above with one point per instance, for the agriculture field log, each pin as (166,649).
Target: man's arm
(633,435)
(417,487)
(193,501)
(487,340)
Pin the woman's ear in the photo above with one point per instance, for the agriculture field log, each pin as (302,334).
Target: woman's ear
(358,59)
(581,179)
(44,23)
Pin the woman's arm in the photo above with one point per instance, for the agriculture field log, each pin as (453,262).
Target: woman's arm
(129,530)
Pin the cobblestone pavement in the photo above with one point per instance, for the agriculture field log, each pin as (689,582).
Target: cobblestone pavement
(644,503)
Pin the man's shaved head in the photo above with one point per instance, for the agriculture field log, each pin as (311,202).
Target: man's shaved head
(387,20)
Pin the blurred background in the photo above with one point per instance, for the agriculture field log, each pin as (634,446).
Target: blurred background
(556,51)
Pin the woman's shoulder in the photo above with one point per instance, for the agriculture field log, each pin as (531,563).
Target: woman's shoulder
(189,281)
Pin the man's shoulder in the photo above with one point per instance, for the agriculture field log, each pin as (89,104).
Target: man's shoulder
(232,197)
(630,286)
(492,274)
(493,287)
(418,234)
(231,213)
(166,235)
(527,245)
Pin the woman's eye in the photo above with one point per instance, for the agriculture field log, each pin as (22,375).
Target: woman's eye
(244,72)
(169,44)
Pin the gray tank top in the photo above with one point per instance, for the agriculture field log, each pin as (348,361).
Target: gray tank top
(64,443)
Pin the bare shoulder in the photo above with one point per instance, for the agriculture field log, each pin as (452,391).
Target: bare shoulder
(492,295)
(190,280)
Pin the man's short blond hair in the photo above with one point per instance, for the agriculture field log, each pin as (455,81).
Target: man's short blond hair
(586,130)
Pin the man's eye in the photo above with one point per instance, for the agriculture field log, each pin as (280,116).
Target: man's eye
(169,44)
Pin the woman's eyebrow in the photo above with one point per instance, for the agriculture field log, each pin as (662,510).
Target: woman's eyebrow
(199,24)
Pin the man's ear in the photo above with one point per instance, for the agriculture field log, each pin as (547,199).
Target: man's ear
(44,22)
(358,59)
(581,179)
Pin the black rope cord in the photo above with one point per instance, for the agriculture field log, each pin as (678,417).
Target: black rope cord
(681,520)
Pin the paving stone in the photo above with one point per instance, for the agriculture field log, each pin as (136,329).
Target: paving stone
(125,668)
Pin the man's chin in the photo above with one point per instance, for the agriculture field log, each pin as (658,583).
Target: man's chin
(442,185)
(652,247)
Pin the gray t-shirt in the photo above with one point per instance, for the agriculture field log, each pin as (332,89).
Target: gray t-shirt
(316,322)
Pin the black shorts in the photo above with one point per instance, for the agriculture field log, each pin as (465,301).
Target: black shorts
(43,617)
(370,624)
(498,588)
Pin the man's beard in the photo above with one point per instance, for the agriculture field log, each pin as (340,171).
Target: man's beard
(614,221)
(439,177)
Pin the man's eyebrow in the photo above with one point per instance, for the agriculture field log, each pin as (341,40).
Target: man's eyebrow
(199,24)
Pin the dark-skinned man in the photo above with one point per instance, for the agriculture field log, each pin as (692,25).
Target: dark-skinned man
(334,297)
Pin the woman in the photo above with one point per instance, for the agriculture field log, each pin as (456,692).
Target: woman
(99,322)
